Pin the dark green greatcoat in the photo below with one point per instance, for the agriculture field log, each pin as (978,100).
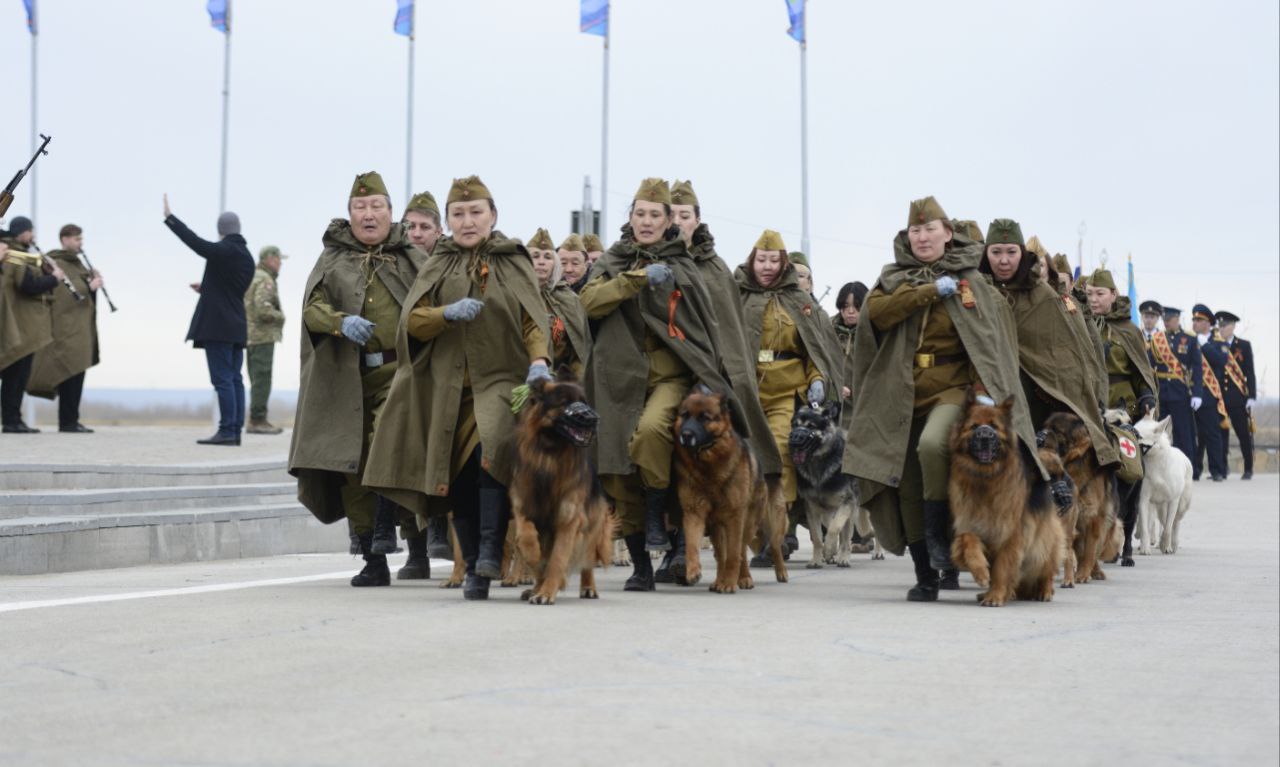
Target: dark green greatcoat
(736,352)
(1117,330)
(811,322)
(26,324)
(883,402)
(617,378)
(328,430)
(75,331)
(564,305)
(411,460)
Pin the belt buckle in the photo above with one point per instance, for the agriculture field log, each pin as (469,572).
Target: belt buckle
(765,355)
(924,361)
(373,360)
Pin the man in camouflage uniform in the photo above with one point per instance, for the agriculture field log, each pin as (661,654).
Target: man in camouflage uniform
(266,321)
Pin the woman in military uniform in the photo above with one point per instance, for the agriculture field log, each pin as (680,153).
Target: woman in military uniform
(566,321)
(932,327)
(473,330)
(848,310)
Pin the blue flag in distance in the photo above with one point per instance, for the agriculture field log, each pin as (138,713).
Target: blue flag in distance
(795,10)
(594,18)
(219,16)
(404,18)
(30,5)
(1133,297)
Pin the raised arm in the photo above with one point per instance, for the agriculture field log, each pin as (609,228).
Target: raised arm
(203,248)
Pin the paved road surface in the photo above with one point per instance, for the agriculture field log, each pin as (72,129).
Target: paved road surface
(1173,662)
(145,445)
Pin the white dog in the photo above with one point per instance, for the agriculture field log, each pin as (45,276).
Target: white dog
(1166,485)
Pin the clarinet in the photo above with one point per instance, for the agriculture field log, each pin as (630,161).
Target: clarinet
(65,279)
(103,289)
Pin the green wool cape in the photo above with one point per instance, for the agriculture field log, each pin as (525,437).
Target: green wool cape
(1130,339)
(737,355)
(75,331)
(883,401)
(26,324)
(328,430)
(811,322)
(617,379)
(411,458)
(563,304)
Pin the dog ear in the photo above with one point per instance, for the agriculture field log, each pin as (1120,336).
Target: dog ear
(565,374)
(832,410)
(970,397)
(538,387)
(701,388)
(1006,407)
(1167,424)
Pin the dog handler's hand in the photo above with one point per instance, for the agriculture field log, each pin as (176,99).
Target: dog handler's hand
(463,310)
(817,392)
(946,285)
(1196,402)
(538,371)
(357,329)
(845,392)
(657,274)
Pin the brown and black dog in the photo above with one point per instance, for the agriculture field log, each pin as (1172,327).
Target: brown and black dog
(562,519)
(723,493)
(1006,532)
(1067,434)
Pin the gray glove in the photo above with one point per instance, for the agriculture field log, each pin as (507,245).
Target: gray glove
(946,285)
(817,392)
(463,310)
(657,274)
(358,329)
(538,371)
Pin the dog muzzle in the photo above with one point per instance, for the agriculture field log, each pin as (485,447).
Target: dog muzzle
(1062,495)
(1041,436)
(693,435)
(577,423)
(802,442)
(984,445)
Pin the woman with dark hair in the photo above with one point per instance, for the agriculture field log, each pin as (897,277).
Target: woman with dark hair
(657,337)
(566,322)
(934,328)
(473,329)
(848,308)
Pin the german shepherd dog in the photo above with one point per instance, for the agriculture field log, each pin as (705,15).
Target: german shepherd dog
(1006,532)
(1094,492)
(722,492)
(816,444)
(561,517)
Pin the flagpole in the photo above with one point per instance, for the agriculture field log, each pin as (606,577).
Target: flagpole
(408,140)
(804,147)
(35,28)
(226,110)
(604,144)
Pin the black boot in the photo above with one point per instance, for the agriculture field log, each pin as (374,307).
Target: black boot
(475,587)
(937,534)
(375,572)
(664,574)
(493,532)
(384,526)
(467,527)
(417,567)
(655,526)
(438,538)
(950,580)
(354,548)
(642,575)
(763,560)
(926,588)
(678,558)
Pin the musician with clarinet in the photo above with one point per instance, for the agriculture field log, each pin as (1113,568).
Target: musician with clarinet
(59,368)
(27,283)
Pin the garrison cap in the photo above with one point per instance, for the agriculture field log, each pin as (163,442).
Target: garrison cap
(468,189)
(682,193)
(796,257)
(424,201)
(654,190)
(969,228)
(770,240)
(1169,311)
(574,243)
(1034,246)
(1150,307)
(268,251)
(592,243)
(1225,318)
(1201,312)
(1101,278)
(369,184)
(1005,231)
(541,240)
(1061,265)
(925,210)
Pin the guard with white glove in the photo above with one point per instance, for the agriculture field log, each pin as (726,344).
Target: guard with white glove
(946,285)
(1195,403)
(463,310)
(357,329)
(1248,405)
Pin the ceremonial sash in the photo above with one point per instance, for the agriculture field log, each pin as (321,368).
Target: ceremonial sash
(1211,384)
(1233,368)
(1165,356)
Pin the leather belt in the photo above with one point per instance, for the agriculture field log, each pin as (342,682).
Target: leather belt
(1118,378)
(926,361)
(769,355)
(378,359)
(1168,376)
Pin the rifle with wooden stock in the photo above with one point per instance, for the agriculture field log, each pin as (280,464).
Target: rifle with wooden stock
(6,199)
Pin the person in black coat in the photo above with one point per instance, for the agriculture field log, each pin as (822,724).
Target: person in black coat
(1238,399)
(218,325)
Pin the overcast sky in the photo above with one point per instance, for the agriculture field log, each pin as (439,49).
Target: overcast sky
(1156,125)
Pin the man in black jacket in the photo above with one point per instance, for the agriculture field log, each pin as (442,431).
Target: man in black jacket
(218,325)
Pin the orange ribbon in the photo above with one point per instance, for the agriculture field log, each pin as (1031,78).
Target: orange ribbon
(672,302)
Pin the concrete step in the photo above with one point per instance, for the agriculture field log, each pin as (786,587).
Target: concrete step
(64,543)
(128,500)
(85,476)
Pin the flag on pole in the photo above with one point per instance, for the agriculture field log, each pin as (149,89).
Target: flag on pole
(404,18)
(594,18)
(218,15)
(795,9)
(30,5)
(1133,296)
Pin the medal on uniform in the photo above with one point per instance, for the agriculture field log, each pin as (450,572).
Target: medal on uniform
(966,295)
(1070,304)
(807,310)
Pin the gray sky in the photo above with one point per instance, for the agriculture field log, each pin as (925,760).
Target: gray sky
(1159,128)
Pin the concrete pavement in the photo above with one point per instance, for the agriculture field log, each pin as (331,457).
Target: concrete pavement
(277,661)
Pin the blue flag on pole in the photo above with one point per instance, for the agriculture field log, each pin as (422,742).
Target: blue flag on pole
(795,9)
(1133,297)
(218,15)
(594,18)
(30,5)
(404,18)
